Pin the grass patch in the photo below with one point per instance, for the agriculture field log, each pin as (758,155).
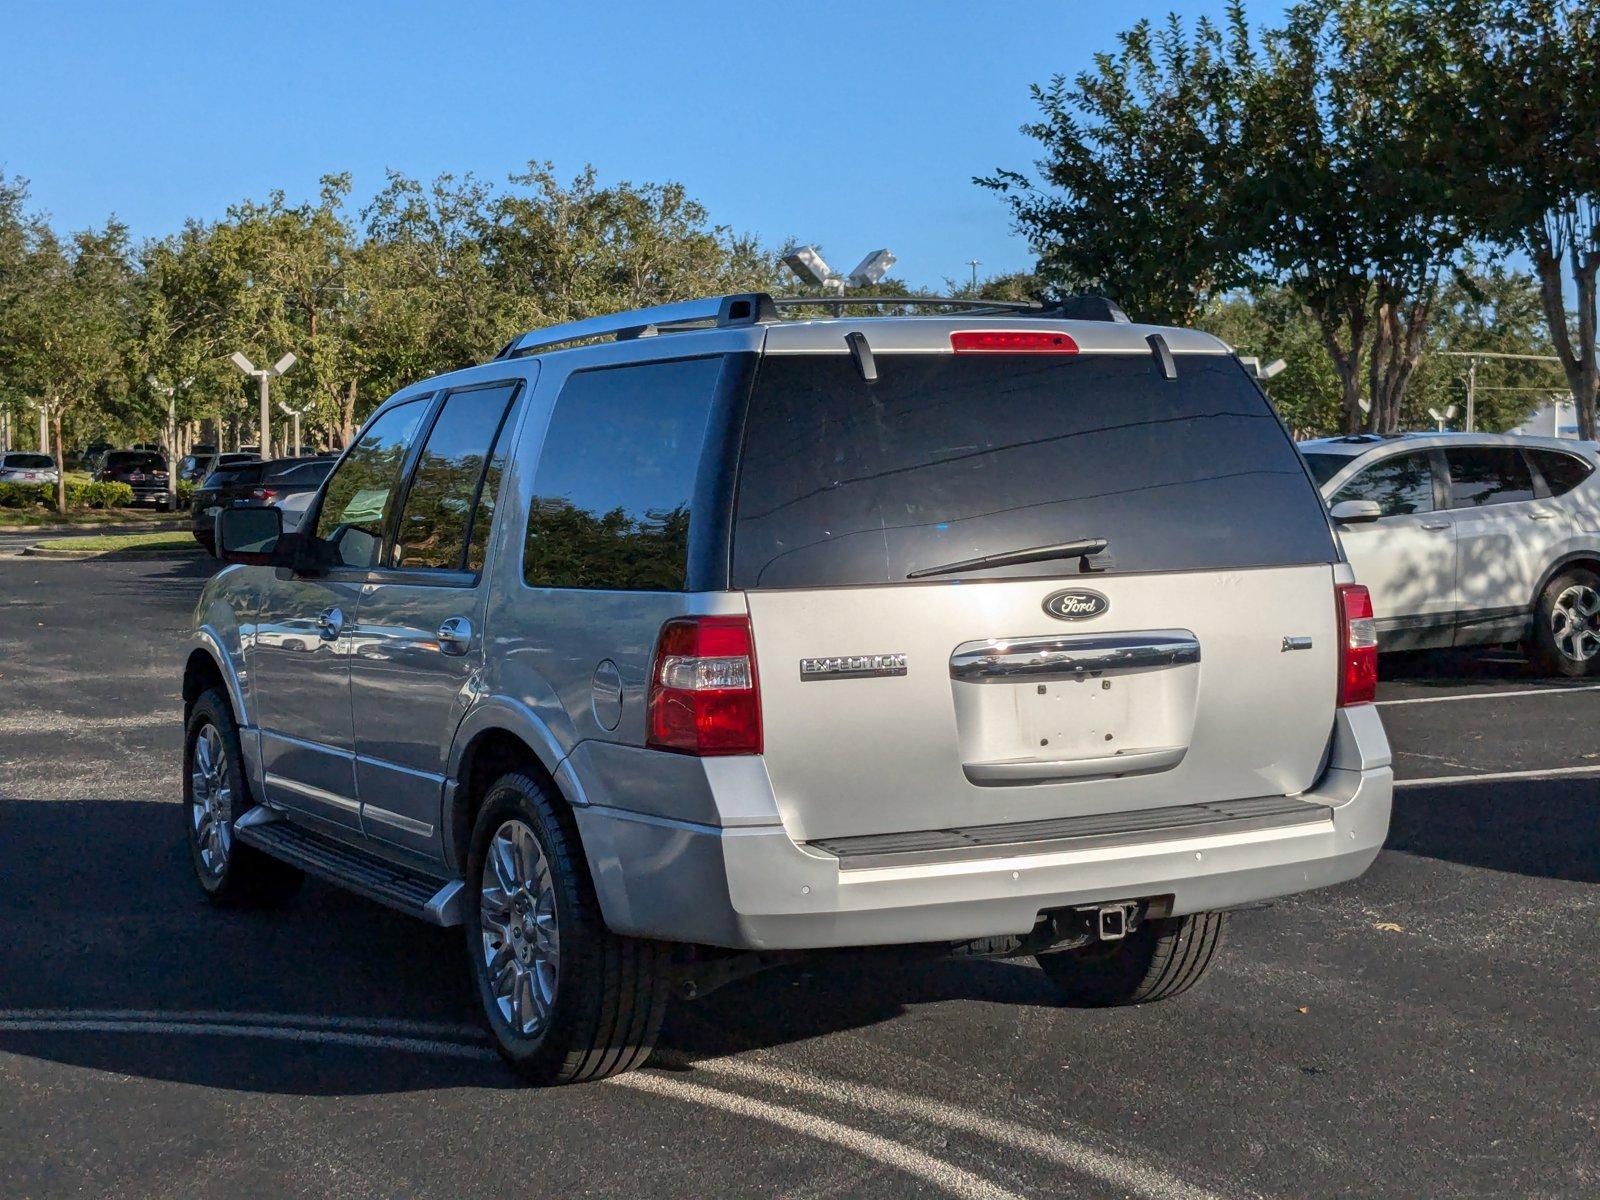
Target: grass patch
(123,543)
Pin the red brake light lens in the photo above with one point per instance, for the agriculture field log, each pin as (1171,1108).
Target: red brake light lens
(1358,646)
(703,690)
(1003,341)
(264,494)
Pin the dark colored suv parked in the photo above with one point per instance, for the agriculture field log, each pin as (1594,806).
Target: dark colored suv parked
(252,482)
(200,462)
(143,470)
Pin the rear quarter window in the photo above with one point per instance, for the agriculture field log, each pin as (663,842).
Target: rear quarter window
(1562,472)
(953,457)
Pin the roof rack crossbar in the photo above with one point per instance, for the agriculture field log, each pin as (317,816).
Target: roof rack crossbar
(745,308)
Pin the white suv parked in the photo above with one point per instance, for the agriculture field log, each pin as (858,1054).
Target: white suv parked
(1472,539)
(672,643)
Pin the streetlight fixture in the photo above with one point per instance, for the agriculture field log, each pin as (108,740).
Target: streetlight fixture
(264,374)
(811,268)
(170,391)
(1443,418)
(295,414)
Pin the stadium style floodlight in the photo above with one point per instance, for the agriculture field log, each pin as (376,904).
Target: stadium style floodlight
(872,268)
(1257,371)
(264,374)
(810,267)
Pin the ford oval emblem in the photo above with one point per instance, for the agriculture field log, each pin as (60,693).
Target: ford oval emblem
(1077,605)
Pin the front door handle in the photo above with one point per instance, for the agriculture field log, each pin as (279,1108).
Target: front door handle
(1436,527)
(329,623)
(1541,516)
(455,636)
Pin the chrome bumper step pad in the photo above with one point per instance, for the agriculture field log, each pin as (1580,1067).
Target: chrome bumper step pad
(1072,833)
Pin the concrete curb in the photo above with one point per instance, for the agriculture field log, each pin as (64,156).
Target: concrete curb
(156,552)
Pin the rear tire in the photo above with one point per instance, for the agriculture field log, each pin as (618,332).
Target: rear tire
(1158,960)
(566,999)
(215,795)
(1566,625)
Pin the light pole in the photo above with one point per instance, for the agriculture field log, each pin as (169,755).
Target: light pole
(295,414)
(1472,357)
(44,425)
(264,374)
(170,391)
(974,264)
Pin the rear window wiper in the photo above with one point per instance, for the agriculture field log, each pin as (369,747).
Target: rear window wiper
(1079,548)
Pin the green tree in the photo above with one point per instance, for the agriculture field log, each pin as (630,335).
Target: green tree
(1134,196)
(1523,160)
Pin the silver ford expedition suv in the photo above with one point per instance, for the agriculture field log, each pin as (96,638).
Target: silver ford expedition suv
(678,643)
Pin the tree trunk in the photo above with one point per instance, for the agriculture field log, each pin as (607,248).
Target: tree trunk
(1582,371)
(61,460)
(347,416)
(1346,363)
(1396,350)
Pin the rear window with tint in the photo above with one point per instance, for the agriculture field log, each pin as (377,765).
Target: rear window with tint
(28,462)
(137,461)
(1482,475)
(1562,472)
(953,457)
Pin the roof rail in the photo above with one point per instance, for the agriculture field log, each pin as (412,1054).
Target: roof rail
(1017,306)
(757,308)
(745,308)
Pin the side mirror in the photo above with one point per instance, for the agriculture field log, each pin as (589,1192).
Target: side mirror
(252,536)
(1355,512)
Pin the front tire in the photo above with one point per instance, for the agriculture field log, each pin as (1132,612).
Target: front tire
(1566,625)
(215,795)
(566,999)
(1158,960)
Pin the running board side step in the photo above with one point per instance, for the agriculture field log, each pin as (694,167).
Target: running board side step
(436,901)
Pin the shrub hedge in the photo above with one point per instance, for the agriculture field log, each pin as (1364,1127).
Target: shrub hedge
(79,495)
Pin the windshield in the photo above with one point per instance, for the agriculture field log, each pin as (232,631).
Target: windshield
(949,458)
(1325,466)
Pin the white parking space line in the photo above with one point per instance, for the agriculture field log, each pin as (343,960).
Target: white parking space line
(1122,1173)
(1501,776)
(1548,691)
(918,1163)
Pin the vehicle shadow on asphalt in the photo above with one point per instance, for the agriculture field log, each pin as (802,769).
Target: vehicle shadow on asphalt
(123,929)
(1548,828)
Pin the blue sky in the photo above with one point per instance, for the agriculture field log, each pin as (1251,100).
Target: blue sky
(851,125)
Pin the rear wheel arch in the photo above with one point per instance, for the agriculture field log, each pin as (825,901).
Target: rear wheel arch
(1589,560)
(489,754)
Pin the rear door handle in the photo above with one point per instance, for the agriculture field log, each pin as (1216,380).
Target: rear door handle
(1541,516)
(329,622)
(455,636)
(1438,526)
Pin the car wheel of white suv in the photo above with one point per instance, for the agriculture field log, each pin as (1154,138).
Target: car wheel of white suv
(215,795)
(1160,958)
(566,999)
(1566,625)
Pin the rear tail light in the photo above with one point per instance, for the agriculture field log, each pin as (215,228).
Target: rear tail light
(1002,341)
(1358,646)
(703,698)
(263,494)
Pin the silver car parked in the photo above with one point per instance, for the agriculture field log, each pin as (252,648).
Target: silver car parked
(1472,539)
(675,644)
(22,466)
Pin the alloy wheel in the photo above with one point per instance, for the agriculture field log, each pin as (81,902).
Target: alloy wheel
(1575,622)
(211,801)
(519,930)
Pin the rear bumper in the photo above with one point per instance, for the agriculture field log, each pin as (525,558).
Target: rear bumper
(752,887)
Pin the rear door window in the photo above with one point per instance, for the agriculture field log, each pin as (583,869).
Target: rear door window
(355,505)
(1481,475)
(616,477)
(1400,484)
(1562,472)
(953,457)
(443,497)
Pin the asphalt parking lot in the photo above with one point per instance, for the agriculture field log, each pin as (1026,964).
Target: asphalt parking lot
(1431,1029)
